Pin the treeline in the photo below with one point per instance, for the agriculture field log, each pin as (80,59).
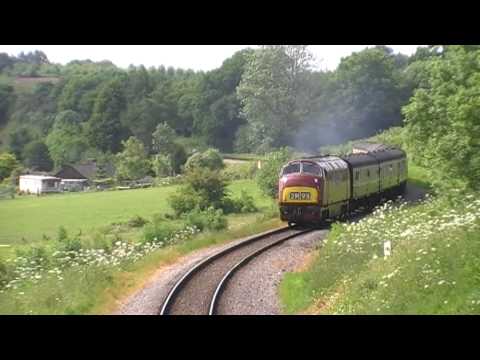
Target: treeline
(256,101)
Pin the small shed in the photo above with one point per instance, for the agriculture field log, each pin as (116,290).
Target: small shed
(365,148)
(73,184)
(79,176)
(39,184)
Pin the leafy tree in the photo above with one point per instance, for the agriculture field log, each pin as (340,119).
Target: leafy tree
(5,61)
(132,162)
(162,165)
(17,141)
(37,157)
(163,139)
(65,141)
(104,129)
(268,176)
(210,159)
(272,90)
(178,157)
(204,188)
(8,163)
(217,114)
(442,119)
(6,100)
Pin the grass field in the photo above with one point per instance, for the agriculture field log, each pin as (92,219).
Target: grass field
(30,217)
(91,288)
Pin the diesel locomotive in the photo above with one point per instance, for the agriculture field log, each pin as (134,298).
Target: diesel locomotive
(315,189)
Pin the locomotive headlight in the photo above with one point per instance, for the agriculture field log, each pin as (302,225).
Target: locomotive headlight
(316,180)
(283,179)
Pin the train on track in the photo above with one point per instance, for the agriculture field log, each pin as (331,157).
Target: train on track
(316,189)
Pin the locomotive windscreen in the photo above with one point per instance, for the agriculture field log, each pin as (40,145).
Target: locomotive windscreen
(291,168)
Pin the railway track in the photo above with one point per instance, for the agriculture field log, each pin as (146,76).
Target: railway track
(198,291)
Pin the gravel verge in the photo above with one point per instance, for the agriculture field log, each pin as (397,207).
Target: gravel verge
(149,299)
(253,289)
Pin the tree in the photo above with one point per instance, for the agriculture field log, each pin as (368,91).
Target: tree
(163,139)
(217,114)
(8,163)
(132,162)
(37,157)
(17,141)
(268,176)
(272,90)
(210,159)
(442,119)
(363,96)
(6,100)
(65,141)
(5,61)
(162,165)
(104,129)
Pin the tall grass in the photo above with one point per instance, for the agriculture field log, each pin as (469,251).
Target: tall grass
(434,266)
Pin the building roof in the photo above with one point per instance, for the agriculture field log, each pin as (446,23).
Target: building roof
(85,170)
(39,177)
(74,180)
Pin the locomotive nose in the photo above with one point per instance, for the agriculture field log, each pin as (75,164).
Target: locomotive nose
(300,189)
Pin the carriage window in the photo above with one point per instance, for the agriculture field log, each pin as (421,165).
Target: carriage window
(291,168)
(357,173)
(368,172)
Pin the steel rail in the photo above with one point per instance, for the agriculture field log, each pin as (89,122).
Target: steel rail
(221,285)
(177,287)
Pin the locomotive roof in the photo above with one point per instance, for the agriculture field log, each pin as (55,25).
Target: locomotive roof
(374,157)
(328,162)
(390,154)
(360,159)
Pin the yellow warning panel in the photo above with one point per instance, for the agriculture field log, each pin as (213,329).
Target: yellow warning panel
(300,195)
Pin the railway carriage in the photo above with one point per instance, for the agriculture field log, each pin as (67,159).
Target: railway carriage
(319,188)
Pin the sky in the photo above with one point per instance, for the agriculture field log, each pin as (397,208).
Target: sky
(195,57)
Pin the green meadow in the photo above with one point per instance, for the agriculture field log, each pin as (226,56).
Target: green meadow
(28,218)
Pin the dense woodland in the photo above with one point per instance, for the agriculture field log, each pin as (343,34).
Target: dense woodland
(258,100)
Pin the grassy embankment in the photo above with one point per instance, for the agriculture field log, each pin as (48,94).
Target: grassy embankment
(29,223)
(433,268)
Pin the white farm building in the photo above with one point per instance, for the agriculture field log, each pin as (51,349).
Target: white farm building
(39,184)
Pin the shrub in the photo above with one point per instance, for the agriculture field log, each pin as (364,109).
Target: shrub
(137,221)
(244,204)
(267,176)
(62,234)
(36,253)
(8,163)
(210,218)
(5,273)
(162,165)
(210,159)
(203,188)
(65,243)
(186,200)
(7,191)
(159,231)
(240,171)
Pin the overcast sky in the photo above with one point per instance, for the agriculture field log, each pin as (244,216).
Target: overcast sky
(196,57)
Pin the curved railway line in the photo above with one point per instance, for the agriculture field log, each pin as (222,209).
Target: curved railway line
(199,290)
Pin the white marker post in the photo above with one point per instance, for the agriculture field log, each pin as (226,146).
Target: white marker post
(387,248)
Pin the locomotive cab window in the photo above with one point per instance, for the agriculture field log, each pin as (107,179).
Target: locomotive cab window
(291,169)
(311,168)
